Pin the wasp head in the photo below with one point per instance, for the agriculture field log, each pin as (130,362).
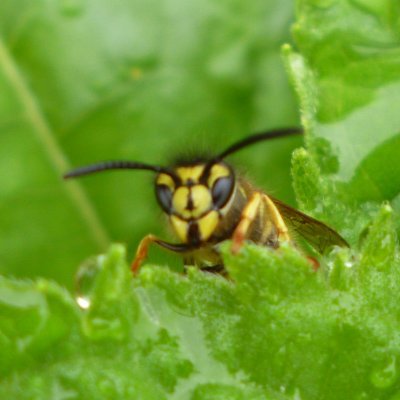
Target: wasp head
(195,197)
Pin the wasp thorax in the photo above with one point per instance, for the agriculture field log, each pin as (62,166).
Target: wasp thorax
(195,196)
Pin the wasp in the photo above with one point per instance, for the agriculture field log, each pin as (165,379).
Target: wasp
(207,202)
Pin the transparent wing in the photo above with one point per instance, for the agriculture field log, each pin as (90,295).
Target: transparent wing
(316,233)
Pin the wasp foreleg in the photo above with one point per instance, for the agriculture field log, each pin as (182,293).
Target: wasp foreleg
(143,249)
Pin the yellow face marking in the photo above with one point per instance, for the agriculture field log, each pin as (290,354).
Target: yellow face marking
(208,224)
(164,179)
(180,227)
(202,200)
(192,173)
(217,171)
(180,200)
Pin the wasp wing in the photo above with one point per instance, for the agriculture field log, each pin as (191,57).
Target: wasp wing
(315,232)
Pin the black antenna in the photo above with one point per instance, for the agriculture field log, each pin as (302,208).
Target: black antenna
(107,165)
(258,137)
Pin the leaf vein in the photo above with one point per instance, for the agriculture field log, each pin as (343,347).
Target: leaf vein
(46,138)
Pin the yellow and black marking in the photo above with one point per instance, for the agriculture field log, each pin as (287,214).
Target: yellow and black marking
(193,199)
(207,203)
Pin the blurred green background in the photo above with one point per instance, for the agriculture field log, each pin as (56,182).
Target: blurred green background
(85,80)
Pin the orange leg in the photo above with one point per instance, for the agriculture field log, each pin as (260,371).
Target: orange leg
(313,262)
(143,249)
(249,213)
(141,252)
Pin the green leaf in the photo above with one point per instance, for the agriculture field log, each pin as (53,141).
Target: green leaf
(34,316)
(276,328)
(352,131)
(86,81)
(202,336)
(129,343)
(348,81)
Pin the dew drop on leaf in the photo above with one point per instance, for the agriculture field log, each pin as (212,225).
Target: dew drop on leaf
(85,279)
(348,264)
(83,302)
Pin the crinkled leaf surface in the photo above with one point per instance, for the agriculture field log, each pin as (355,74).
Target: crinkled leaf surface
(88,80)
(276,329)
(348,80)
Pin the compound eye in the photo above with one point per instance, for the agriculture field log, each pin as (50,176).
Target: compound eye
(222,190)
(164,197)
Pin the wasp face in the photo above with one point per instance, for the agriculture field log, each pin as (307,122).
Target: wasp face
(195,197)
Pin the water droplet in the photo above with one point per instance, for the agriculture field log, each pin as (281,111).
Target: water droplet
(72,8)
(384,377)
(83,302)
(85,279)
(348,264)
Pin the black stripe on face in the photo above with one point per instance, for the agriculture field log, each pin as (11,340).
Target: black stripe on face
(193,233)
(190,204)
